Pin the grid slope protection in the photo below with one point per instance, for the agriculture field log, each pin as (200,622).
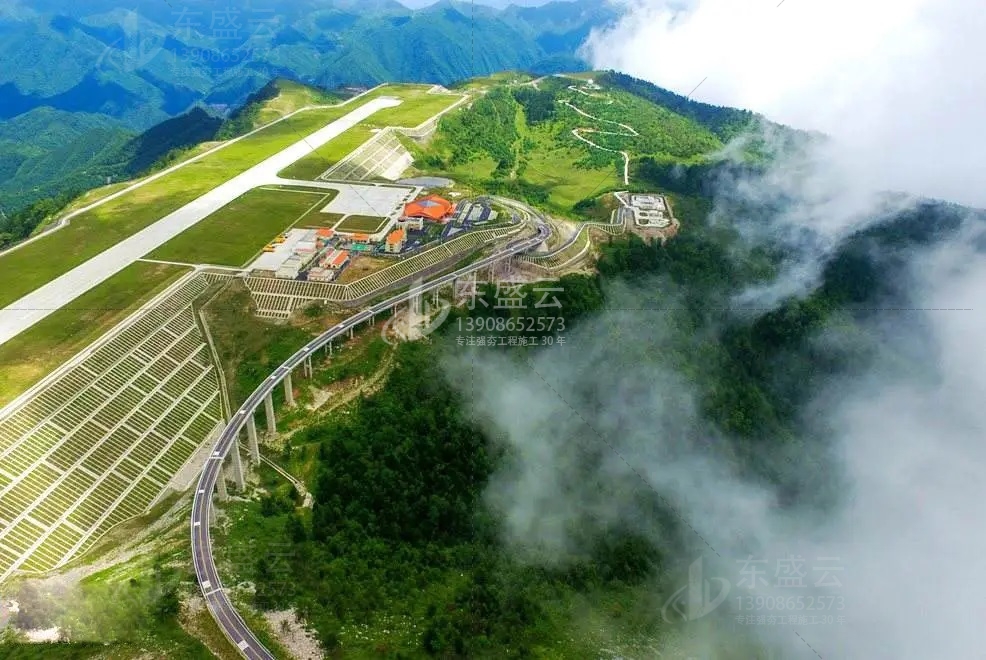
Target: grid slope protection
(381,156)
(100,443)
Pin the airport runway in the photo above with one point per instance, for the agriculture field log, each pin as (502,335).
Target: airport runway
(40,303)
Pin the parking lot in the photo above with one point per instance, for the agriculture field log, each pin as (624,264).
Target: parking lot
(359,199)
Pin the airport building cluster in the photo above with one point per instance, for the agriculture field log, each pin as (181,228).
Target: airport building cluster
(322,255)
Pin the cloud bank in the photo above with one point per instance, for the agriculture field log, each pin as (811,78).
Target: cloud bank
(899,85)
(597,422)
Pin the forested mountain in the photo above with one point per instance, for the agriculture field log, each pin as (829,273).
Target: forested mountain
(142,64)
(409,517)
(92,74)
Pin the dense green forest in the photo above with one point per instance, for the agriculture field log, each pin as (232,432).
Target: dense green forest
(488,128)
(400,526)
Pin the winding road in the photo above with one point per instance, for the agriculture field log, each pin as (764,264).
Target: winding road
(630,132)
(218,602)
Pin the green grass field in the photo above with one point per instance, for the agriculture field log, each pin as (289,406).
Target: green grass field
(31,355)
(237,232)
(323,219)
(30,267)
(361,223)
(417,107)
(550,165)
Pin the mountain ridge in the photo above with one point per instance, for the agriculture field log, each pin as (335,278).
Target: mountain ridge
(136,68)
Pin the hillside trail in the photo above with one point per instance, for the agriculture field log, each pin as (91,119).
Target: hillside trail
(629,131)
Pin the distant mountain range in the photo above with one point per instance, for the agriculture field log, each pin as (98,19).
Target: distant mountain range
(499,4)
(79,76)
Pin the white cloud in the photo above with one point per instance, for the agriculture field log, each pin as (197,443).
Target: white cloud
(898,84)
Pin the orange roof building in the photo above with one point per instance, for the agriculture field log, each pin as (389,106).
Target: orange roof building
(432,208)
(395,240)
(363,238)
(325,233)
(339,260)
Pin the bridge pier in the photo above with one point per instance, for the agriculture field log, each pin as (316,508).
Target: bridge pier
(288,389)
(237,464)
(252,438)
(309,368)
(351,332)
(221,486)
(269,409)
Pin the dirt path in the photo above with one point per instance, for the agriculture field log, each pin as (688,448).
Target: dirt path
(629,131)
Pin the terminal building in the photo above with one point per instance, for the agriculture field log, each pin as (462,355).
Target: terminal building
(432,208)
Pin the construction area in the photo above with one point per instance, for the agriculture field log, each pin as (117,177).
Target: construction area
(650,213)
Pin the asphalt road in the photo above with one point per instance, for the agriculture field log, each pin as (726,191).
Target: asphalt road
(219,604)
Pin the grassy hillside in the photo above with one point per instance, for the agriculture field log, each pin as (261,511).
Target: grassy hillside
(520,139)
(724,122)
